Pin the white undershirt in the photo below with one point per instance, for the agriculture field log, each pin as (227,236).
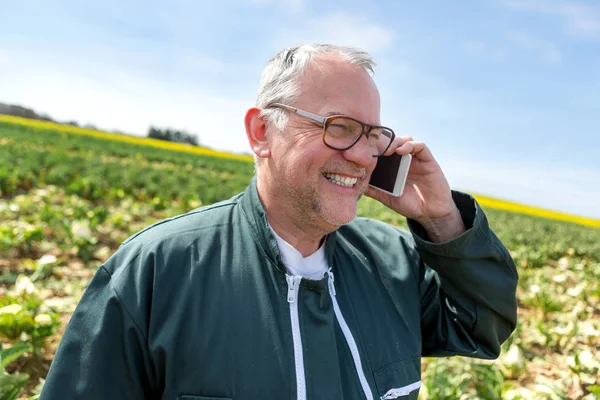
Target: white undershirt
(312,267)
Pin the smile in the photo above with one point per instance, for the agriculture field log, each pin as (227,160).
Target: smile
(341,180)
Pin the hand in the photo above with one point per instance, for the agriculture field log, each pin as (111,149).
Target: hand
(427,197)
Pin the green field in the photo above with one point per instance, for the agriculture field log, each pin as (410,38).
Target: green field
(67,199)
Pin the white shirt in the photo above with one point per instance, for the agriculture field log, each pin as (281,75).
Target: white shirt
(312,267)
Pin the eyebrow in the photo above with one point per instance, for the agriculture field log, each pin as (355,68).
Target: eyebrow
(332,113)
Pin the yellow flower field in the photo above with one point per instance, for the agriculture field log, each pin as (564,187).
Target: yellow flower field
(42,125)
(538,212)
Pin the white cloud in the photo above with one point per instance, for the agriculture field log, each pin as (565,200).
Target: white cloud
(583,20)
(580,20)
(341,28)
(546,50)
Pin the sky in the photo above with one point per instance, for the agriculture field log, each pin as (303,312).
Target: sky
(506,93)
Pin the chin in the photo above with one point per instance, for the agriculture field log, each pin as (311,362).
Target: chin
(337,217)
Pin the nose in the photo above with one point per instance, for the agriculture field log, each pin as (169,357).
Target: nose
(361,153)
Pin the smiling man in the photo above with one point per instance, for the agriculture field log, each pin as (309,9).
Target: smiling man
(281,292)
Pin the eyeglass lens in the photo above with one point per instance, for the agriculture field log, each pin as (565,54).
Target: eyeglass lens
(341,133)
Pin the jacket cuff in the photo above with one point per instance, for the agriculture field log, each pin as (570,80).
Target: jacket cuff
(472,216)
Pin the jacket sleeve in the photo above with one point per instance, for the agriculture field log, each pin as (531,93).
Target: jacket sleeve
(468,288)
(103,353)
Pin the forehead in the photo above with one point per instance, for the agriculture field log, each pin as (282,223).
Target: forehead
(331,85)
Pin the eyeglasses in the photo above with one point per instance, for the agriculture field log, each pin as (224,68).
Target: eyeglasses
(341,132)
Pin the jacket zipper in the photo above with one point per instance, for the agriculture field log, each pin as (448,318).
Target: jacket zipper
(349,339)
(293,282)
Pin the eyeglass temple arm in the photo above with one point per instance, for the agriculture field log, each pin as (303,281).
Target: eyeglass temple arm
(306,114)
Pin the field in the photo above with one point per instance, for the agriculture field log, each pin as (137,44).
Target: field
(69,196)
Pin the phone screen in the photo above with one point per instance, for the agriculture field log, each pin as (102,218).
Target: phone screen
(385,173)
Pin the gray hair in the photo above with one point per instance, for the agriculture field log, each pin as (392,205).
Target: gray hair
(279,80)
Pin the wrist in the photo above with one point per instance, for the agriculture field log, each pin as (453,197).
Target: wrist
(444,228)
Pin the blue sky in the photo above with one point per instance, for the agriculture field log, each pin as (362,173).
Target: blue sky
(506,93)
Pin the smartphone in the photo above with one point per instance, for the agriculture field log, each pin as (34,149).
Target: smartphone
(390,174)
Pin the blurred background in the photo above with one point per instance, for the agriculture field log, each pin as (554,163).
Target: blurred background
(505,92)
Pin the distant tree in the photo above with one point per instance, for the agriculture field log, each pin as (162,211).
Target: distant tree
(23,112)
(172,135)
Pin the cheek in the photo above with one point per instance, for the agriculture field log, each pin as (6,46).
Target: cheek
(372,165)
(302,153)
(310,157)
(309,140)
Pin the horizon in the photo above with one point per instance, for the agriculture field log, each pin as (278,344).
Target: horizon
(508,99)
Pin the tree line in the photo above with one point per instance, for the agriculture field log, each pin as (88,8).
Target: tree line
(167,134)
(173,135)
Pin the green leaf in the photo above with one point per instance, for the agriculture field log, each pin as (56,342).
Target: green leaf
(13,353)
(594,389)
(11,385)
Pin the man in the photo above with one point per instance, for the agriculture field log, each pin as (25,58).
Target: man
(279,292)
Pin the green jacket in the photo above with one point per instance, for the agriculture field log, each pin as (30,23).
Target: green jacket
(200,307)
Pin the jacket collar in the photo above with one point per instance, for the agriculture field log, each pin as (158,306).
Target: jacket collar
(256,216)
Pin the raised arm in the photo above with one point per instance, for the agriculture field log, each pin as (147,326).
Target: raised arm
(468,280)
(468,288)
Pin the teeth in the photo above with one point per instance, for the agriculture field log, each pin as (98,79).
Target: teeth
(341,180)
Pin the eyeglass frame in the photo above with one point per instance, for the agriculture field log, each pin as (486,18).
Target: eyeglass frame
(366,128)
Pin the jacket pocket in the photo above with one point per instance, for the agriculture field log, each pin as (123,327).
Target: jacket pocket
(400,380)
(189,397)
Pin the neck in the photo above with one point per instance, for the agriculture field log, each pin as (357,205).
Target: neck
(305,243)
(298,230)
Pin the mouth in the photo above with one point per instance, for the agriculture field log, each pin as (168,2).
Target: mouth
(340,180)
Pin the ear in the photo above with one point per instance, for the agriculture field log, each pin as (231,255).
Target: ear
(256,130)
